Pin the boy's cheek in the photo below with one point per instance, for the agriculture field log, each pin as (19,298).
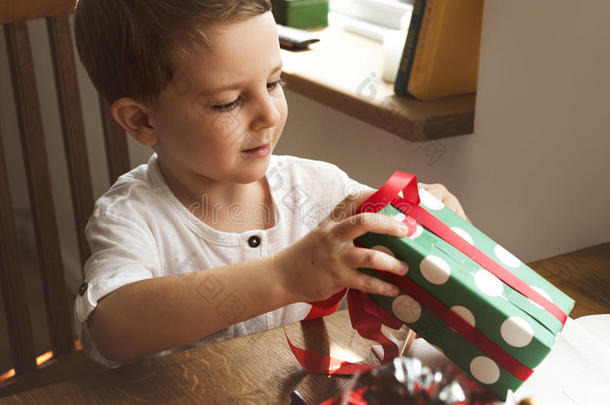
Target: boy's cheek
(227,125)
(202,109)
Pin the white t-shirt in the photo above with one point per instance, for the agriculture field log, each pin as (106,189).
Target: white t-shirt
(140,230)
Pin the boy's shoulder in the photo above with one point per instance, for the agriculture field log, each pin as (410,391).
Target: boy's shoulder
(131,192)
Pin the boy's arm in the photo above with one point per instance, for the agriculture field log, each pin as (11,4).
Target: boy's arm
(155,314)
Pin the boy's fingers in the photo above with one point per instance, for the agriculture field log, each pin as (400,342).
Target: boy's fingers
(375,259)
(454,205)
(360,224)
(441,193)
(373,285)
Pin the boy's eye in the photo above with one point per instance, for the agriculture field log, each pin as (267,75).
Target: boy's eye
(230,106)
(277,83)
(227,107)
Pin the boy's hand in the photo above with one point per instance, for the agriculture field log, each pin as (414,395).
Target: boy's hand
(325,260)
(441,192)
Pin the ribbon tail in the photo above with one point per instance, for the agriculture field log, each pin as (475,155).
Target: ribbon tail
(321,364)
(366,318)
(325,307)
(361,310)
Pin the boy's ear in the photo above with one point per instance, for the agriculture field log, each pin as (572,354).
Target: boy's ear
(135,118)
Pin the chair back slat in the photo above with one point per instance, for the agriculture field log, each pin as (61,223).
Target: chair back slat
(117,153)
(21,10)
(72,125)
(11,279)
(39,185)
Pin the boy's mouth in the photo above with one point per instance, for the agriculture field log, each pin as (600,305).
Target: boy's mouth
(259,151)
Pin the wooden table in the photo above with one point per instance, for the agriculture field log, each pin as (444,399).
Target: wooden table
(260,368)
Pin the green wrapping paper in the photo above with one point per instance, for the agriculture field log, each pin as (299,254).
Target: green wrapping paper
(519,326)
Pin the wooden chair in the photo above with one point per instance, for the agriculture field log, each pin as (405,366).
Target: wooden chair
(66,361)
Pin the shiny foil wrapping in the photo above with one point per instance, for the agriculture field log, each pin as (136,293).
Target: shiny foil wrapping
(406,381)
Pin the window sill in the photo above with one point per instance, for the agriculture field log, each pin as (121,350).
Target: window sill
(344,71)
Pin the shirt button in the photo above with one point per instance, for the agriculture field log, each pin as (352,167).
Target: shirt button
(83,287)
(254,241)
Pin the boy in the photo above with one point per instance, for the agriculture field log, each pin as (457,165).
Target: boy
(214,237)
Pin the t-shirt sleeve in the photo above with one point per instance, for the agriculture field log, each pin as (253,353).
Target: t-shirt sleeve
(122,252)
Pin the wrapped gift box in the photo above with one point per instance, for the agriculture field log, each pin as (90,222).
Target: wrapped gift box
(522,332)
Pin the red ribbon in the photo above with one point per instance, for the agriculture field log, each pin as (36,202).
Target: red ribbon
(326,307)
(367,317)
(321,364)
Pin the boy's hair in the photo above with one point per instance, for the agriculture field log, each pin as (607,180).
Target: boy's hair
(130,47)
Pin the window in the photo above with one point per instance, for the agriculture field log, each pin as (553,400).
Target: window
(370,18)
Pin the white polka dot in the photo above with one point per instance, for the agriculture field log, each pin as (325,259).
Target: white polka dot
(418,231)
(383,249)
(485,370)
(488,283)
(516,331)
(435,270)
(430,201)
(465,314)
(463,234)
(506,257)
(406,308)
(541,292)
(400,194)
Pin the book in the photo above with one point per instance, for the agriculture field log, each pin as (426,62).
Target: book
(446,57)
(406,60)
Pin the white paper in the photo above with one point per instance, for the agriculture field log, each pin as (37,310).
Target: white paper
(576,371)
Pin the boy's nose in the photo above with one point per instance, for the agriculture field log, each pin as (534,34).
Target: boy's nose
(267,114)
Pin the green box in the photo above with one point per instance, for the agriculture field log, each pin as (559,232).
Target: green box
(520,327)
(301,14)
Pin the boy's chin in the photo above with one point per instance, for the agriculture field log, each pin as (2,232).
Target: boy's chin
(250,173)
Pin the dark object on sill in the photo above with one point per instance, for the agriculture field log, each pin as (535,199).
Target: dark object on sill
(293,38)
(301,13)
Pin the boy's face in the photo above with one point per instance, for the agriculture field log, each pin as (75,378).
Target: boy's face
(226,134)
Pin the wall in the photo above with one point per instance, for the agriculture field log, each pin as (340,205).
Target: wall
(534,175)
